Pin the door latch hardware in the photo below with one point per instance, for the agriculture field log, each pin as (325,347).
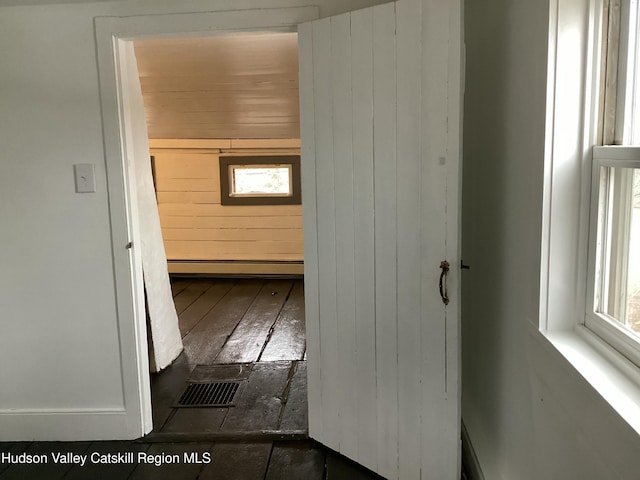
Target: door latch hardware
(444,266)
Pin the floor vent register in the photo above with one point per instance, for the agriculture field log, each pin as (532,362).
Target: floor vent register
(211,394)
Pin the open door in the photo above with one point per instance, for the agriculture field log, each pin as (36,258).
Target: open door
(146,244)
(380,93)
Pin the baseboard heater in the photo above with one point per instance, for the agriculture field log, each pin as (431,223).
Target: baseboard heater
(236,267)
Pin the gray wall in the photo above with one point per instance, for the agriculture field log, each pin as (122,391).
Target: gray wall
(528,413)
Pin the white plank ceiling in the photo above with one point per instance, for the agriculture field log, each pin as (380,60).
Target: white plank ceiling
(231,86)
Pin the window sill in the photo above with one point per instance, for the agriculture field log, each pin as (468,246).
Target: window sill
(614,377)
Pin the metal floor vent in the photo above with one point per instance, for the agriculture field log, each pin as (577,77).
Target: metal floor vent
(216,394)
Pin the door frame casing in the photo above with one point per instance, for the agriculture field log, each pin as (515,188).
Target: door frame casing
(110,33)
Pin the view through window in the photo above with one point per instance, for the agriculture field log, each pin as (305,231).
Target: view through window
(260,180)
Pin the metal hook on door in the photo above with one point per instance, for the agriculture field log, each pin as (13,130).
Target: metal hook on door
(444,265)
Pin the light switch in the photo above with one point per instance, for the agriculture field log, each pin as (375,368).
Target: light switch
(85,178)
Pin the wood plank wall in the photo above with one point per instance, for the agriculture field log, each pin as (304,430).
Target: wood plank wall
(243,85)
(201,235)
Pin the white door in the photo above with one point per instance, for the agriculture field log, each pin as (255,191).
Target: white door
(146,233)
(380,93)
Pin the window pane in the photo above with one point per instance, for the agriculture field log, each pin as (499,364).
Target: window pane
(633,280)
(618,283)
(261,180)
(630,110)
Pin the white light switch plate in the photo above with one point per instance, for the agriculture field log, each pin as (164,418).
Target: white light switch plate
(85,178)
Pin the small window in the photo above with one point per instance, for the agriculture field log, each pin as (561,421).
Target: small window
(260,180)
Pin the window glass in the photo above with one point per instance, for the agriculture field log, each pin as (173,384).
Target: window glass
(260,180)
(633,290)
(617,293)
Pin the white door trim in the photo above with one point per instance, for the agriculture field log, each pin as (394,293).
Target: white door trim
(110,32)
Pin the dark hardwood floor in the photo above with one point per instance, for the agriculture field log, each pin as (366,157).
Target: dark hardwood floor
(304,460)
(249,331)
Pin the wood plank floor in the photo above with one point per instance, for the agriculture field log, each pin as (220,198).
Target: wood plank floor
(252,328)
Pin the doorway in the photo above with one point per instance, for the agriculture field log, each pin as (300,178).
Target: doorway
(209,99)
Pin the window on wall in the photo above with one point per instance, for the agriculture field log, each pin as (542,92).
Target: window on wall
(613,289)
(589,257)
(260,180)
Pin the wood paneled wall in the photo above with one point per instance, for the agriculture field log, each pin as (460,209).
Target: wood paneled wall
(223,86)
(201,235)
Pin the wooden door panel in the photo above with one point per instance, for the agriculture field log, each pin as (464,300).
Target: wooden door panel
(378,122)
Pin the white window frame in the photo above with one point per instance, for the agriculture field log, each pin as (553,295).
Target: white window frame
(602,324)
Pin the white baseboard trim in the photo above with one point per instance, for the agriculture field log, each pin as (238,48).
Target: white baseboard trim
(469,458)
(49,426)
